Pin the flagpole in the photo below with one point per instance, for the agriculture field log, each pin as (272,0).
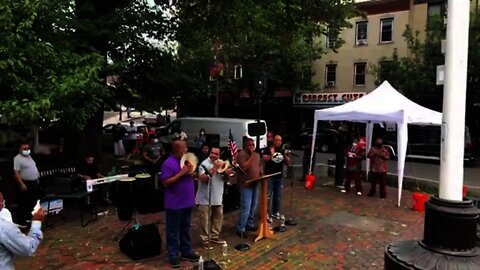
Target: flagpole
(450,226)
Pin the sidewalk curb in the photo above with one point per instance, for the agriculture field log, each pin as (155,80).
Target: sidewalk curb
(409,183)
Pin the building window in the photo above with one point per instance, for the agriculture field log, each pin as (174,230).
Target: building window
(386,30)
(435,10)
(360,72)
(330,75)
(307,74)
(332,38)
(438,10)
(361,33)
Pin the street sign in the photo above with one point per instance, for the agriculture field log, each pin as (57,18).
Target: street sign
(440,74)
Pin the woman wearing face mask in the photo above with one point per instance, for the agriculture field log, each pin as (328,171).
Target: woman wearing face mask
(26,175)
(201,139)
(354,167)
(378,156)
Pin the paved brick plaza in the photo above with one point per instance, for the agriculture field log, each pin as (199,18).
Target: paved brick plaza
(334,231)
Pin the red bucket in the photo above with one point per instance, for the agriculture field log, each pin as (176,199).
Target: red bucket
(419,200)
(309,181)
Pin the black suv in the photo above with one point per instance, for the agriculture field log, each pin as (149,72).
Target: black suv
(424,143)
(325,140)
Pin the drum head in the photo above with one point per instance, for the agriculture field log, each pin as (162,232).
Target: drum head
(143,175)
(191,158)
(127,179)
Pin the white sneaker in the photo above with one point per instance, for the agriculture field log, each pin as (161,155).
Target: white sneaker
(275,216)
(359,193)
(343,191)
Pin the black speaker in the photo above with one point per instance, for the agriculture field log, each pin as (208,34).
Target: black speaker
(144,242)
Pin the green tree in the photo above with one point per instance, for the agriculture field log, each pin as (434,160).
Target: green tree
(415,75)
(275,39)
(56,55)
(41,76)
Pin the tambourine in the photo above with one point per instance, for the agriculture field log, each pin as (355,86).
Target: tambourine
(189,158)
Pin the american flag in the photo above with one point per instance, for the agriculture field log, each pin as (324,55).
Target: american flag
(232,145)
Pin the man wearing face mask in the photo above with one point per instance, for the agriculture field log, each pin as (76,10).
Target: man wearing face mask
(378,155)
(26,175)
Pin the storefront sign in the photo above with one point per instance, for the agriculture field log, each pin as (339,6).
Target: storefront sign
(327,98)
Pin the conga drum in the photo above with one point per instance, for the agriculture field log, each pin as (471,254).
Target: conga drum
(125,197)
(157,196)
(145,188)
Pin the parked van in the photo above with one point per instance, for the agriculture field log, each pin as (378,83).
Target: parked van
(217,129)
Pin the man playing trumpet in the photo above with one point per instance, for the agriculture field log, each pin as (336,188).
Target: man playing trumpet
(211,172)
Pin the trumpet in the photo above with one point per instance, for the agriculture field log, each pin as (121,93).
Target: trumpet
(224,167)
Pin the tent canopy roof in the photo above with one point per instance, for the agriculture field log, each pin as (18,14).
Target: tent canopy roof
(384,104)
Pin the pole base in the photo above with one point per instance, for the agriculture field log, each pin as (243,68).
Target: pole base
(412,254)
(449,239)
(211,264)
(242,247)
(280,228)
(290,222)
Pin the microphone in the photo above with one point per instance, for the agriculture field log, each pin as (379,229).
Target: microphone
(289,152)
(240,168)
(207,172)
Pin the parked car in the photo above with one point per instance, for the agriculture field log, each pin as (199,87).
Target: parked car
(107,136)
(424,143)
(325,140)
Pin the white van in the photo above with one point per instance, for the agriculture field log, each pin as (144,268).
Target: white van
(215,127)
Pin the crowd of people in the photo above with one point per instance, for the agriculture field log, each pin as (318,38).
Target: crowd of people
(190,189)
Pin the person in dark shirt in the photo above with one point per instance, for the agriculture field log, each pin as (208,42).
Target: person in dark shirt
(153,154)
(274,157)
(88,169)
(343,142)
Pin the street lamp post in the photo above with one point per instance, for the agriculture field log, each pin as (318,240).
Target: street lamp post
(261,87)
(450,226)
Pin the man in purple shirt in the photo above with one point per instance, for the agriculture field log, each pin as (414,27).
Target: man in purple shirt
(179,203)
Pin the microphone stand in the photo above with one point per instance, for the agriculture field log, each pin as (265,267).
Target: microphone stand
(290,221)
(209,263)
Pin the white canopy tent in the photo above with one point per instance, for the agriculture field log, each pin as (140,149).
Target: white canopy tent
(384,104)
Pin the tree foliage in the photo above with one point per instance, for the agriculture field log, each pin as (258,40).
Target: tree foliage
(56,55)
(41,76)
(271,39)
(415,74)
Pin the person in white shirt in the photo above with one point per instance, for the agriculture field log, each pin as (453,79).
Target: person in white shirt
(26,175)
(14,243)
(209,177)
